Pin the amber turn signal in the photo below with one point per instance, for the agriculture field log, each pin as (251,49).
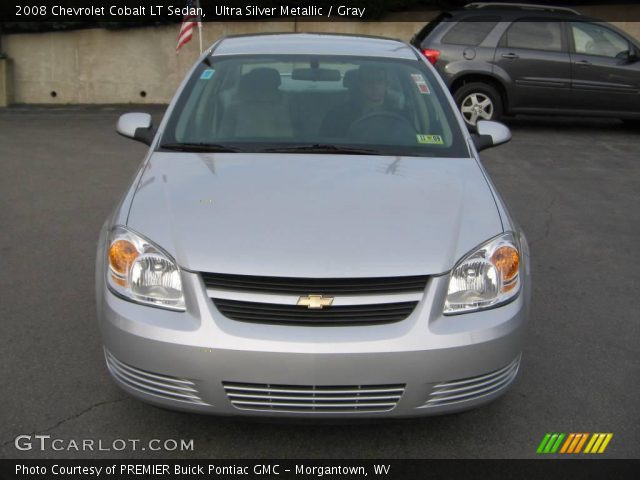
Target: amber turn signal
(507,260)
(122,253)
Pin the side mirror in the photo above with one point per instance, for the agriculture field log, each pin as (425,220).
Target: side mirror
(628,56)
(137,126)
(490,134)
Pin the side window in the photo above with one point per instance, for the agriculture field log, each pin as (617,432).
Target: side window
(470,31)
(592,39)
(538,35)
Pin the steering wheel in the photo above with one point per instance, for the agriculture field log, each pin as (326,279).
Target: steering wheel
(383,126)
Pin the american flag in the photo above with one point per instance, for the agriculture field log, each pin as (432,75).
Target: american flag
(188,23)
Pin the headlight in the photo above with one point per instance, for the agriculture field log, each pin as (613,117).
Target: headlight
(142,271)
(487,277)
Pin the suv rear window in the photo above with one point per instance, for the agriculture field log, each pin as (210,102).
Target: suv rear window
(470,31)
(417,39)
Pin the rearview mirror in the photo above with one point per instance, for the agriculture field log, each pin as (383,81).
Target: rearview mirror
(316,74)
(490,134)
(137,126)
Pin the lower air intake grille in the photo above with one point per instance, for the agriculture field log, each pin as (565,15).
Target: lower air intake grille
(294,314)
(467,389)
(313,399)
(163,386)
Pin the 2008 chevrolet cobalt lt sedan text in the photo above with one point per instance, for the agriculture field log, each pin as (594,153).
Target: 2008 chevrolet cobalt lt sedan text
(312,234)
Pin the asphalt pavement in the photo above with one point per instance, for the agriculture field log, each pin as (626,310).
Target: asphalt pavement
(573,184)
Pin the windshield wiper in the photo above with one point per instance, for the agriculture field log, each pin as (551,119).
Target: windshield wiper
(323,148)
(309,148)
(199,147)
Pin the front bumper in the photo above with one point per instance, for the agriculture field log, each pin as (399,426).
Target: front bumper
(201,361)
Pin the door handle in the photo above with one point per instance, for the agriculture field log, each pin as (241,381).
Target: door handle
(511,56)
(584,63)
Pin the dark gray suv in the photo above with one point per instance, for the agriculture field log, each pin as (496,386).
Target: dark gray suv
(518,58)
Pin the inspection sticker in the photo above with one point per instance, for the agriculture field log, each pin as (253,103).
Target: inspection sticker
(430,139)
(207,74)
(420,83)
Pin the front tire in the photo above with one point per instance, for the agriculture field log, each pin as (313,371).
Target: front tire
(478,101)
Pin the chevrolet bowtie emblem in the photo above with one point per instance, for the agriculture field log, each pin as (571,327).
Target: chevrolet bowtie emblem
(315,301)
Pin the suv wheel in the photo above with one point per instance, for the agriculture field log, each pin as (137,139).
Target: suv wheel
(478,101)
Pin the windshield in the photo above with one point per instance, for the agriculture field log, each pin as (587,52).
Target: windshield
(314,104)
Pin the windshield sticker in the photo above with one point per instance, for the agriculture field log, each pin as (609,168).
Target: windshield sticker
(420,82)
(207,74)
(430,139)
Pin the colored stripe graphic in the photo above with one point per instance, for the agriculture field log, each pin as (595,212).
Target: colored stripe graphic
(543,443)
(550,443)
(555,447)
(567,442)
(605,443)
(581,442)
(572,443)
(578,437)
(598,443)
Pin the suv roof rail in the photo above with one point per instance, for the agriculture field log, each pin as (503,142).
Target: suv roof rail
(523,6)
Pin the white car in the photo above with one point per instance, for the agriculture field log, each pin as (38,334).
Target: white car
(312,234)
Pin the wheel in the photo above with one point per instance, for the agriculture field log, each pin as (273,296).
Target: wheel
(478,101)
(383,126)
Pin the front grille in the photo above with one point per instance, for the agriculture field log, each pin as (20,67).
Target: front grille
(294,314)
(313,399)
(316,286)
(163,386)
(467,389)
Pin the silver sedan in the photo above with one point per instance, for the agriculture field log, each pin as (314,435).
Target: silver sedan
(311,233)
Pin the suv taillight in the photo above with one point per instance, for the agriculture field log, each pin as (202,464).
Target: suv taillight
(432,55)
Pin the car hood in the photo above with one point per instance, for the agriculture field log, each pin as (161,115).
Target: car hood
(311,215)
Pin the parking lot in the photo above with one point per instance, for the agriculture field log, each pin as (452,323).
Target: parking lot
(574,185)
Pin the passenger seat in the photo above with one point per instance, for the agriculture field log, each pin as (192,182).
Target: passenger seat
(259,109)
